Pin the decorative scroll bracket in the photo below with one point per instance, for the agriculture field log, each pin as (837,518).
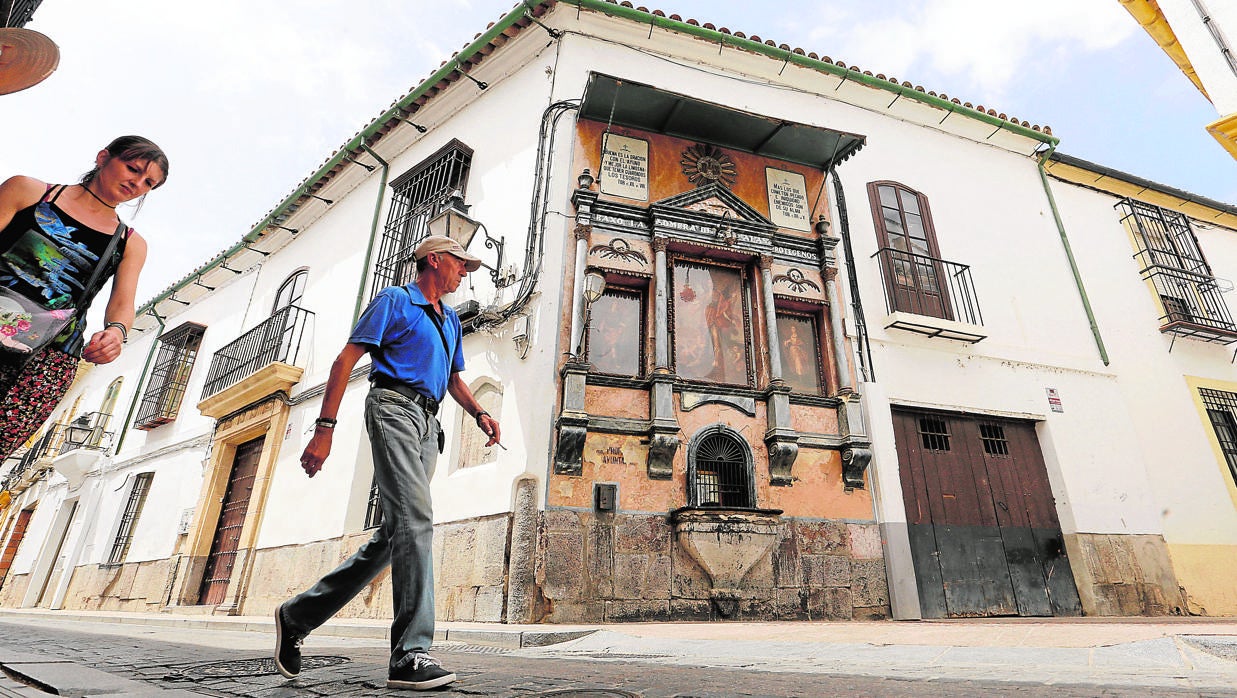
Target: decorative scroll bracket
(855,460)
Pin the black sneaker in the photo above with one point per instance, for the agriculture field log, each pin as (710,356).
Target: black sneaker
(421,674)
(287,648)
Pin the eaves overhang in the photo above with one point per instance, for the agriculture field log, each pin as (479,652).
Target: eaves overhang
(453,70)
(625,103)
(1122,184)
(522,16)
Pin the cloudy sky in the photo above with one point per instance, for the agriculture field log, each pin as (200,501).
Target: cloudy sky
(248,98)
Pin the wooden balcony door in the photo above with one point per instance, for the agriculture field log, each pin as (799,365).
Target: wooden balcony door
(231,522)
(914,276)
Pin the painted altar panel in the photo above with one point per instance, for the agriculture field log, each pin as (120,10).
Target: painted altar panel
(710,338)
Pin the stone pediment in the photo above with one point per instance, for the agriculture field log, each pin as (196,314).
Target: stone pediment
(713,200)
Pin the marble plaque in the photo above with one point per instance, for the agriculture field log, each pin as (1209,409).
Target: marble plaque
(787,199)
(625,167)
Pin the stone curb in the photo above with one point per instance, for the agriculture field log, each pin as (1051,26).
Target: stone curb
(512,638)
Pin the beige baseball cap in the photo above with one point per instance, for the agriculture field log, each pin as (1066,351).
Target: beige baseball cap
(441,243)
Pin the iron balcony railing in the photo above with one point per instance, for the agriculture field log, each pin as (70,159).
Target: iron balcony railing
(1192,302)
(923,285)
(276,339)
(1170,257)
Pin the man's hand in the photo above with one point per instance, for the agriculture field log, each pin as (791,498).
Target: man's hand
(489,425)
(104,346)
(316,451)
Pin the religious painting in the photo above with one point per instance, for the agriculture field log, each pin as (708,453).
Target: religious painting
(801,363)
(616,333)
(710,328)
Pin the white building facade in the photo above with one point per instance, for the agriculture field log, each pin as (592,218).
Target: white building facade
(861,351)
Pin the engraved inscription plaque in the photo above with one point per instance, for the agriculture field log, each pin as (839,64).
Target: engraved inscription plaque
(625,167)
(787,199)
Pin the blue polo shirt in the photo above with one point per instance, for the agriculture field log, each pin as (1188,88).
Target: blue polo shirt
(405,345)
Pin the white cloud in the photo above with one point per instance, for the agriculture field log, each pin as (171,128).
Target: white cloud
(981,47)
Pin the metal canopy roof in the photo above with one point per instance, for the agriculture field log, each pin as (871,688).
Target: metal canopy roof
(626,103)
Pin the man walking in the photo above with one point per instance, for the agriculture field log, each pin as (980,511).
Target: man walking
(414,342)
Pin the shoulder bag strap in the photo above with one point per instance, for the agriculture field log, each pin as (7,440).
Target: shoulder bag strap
(104,260)
(437,325)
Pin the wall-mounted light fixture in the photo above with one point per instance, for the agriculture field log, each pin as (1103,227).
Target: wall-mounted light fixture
(585,180)
(77,432)
(454,222)
(294,231)
(594,287)
(328,202)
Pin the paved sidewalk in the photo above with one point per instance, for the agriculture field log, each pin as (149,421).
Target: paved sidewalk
(1143,655)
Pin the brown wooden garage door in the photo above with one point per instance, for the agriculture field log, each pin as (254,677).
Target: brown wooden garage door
(985,538)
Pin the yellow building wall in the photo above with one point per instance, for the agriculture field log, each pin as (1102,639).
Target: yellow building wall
(1208,573)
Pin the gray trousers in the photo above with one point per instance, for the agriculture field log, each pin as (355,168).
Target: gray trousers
(404,439)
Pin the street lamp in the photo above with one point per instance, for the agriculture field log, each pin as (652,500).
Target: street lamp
(454,222)
(594,287)
(78,432)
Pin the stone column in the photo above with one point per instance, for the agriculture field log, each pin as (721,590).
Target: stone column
(572,422)
(663,437)
(856,445)
(522,586)
(774,342)
(582,233)
(846,383)
(781,439)
(661,308)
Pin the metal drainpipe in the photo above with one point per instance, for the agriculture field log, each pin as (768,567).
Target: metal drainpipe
(137,394)
(373,232)
(867,372)
(1069,254)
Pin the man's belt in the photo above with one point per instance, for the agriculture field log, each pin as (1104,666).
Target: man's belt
(426,403)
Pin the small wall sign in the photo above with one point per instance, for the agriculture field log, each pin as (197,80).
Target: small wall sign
(1054,400)
(625,167)
(787,199)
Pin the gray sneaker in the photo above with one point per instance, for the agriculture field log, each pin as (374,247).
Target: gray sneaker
(421,674)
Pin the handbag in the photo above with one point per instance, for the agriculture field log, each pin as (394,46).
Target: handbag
(28,325)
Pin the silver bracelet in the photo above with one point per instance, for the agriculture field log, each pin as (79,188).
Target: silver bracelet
(124,331)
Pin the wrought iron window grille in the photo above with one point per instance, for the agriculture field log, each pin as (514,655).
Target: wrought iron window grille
(169,376)
(1221,408)
(133,509)
(417,196)
(720,473)
(1169,257)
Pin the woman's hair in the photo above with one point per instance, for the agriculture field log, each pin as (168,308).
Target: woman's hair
(129,148)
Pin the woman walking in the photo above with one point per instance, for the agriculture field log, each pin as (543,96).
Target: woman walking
(59,244)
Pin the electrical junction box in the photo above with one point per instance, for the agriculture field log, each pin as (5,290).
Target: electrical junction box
(605,496)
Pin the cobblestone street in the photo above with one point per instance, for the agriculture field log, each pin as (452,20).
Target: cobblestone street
(232,663)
